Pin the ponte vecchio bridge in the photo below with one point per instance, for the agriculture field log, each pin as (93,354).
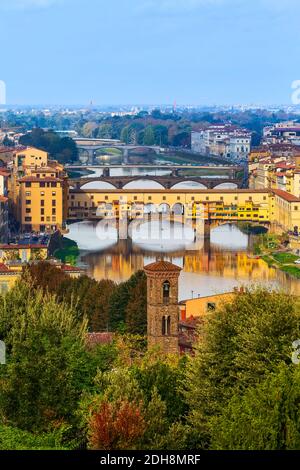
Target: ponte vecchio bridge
(212,206)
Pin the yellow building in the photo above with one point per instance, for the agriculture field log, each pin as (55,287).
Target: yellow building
(38,191)
(287,210)
(30,157)
(229,204)
(41,204)
(202,306)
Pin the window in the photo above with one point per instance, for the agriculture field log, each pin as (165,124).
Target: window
(42,193)
(53,203)
(42,185)
(28,193)
(53,185)
(42,211)
(296,208)
(42,219)
(42,202)
(53,211)
(106,198)
(149,198)
(135,198)
(48,219)
(166,292)
(211,306)
(28,185)
(28,202)
(53,193)
(28,211)
(27,219)
(166,325)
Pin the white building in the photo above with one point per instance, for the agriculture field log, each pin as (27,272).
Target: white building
(282,133)
(223,141)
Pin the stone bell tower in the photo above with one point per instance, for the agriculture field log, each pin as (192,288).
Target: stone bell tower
(162,306)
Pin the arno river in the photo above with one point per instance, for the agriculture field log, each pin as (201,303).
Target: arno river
(208,267)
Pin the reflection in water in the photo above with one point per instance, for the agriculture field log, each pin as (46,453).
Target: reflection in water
(216,266)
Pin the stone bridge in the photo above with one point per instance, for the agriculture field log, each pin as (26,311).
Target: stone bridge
(90,147)
(167,182)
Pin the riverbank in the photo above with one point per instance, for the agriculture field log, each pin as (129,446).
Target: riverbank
(272,249)
(284,261)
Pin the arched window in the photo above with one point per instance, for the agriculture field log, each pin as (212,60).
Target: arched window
(166,325)
(166,292)
(163,326)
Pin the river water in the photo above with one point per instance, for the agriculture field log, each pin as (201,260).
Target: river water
(208,266)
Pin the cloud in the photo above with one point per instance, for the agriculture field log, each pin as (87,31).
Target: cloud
(27,4)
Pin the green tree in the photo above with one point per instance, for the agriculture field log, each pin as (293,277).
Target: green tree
(266,417)
(123,304)
(46,364)
(149,136)
(125,135)
(240,344)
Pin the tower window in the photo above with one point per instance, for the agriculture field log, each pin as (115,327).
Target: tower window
(166,325)
(166,292)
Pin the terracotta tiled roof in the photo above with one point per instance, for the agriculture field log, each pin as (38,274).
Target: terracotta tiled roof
(34,179)
(3,268)
(21,247)
(162,266)
(74,269)
(286,196)
(99,338)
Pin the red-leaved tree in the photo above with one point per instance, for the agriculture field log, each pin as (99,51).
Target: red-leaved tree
(118,425)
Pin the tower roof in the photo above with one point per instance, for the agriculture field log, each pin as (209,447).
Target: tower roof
(162,266)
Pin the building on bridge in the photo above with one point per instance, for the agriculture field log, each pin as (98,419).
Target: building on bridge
(222,205)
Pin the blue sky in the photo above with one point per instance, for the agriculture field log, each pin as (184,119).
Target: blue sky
(149,51)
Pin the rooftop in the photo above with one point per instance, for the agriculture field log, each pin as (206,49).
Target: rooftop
(286,196)
(162,266)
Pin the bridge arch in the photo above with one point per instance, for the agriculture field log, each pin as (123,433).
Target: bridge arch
(139,182)
(178,209)
(97,184)
(188,184)
(150,208)
(164,208)
(226,185)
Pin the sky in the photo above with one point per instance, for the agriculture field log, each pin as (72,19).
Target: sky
(197,52)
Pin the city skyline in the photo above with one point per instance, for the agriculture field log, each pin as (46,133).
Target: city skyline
(202,52)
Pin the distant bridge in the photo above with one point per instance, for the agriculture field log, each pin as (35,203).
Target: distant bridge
(167,182)
(90,146)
